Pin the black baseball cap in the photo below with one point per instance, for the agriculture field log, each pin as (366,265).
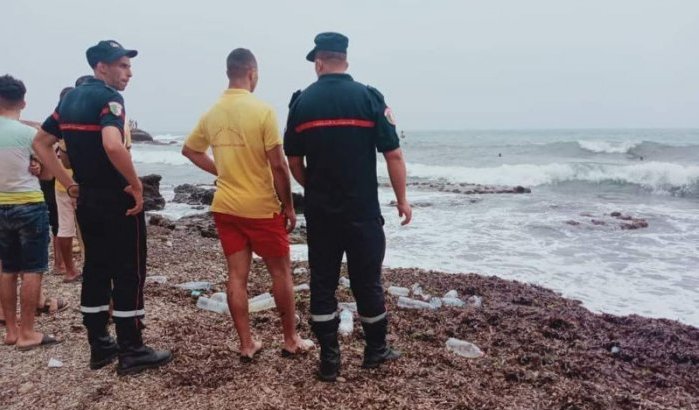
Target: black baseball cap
(107,51)
(328,42)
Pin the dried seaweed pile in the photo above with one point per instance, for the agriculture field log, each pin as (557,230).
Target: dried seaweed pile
(542,351)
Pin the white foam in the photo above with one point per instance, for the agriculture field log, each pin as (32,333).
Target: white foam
(608,147)
(165,157)
(655,175)
(169,137)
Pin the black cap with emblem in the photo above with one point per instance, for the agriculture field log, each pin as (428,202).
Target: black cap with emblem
(328,42)
(107,51)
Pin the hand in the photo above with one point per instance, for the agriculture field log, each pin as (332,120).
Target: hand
(137,194)
(405,212)
(289,219)
(34,168)
(73,192)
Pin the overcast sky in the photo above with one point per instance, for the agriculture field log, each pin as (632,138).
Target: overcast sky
(441,64)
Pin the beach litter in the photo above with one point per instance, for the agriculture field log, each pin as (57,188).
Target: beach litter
(300,271)
(463,348)
(54,363)
(346,323)
(344,282)
(156,279)
(196,285)
(408,303)
(398,291)
(351,306)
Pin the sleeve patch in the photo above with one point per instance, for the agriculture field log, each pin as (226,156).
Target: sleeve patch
(116,108)
(388,113)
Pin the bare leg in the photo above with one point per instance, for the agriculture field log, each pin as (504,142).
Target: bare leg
(30,292)
(58,265)
(65,246)
(283,289)
(237,292)
(8,297)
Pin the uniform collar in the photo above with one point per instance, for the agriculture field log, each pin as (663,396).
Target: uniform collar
(335,76)
(94,80)
(236,91)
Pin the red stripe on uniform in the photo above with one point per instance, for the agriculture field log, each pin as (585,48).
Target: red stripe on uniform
(104,111)
(80,127)
(55,115)
(338,122)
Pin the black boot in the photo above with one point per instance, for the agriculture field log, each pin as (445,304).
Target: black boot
(134,356)
(326,332)
(103,348)
(376,350)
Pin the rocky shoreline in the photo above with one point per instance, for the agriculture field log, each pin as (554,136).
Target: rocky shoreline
(542,351)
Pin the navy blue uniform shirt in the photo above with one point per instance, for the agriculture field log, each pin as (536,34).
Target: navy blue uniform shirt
(79,119)
(338,124)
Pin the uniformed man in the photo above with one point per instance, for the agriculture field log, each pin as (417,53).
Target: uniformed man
(336,124)
(90,119)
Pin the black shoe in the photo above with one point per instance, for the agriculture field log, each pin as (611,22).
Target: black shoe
(103,351)
(373,357)
(135,360)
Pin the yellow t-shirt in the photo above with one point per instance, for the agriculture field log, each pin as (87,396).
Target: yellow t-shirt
(240,129)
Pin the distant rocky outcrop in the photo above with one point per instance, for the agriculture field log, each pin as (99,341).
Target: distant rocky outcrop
(469,189)
(138,135)
(152,199)
(614,220)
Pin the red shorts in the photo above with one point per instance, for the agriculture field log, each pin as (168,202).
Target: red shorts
(266,237)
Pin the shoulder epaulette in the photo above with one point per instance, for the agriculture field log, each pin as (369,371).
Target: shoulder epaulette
(294,96)
(375,92)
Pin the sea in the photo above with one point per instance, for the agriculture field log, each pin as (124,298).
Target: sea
(561,235)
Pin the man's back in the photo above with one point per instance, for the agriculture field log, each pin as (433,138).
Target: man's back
(17,185)
(240,129)
(333,123)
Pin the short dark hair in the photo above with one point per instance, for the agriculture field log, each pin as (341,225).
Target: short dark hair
(12,91)
(65,91)
(239,61)
(331,55)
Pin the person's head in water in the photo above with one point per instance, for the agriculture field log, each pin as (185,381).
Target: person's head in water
(111,63)
(241,69)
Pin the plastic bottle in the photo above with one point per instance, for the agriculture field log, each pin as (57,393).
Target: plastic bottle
(452,294)
(344,282)
(220,297)
(351,306)
(300,271)
(199,285)
(398,291)
(408,303)
(346,322)
(261,304)
(302,287)
(436,302)
(212,305)
(456,302)
(156,279)
(464,348)
(475,301)
(261,296)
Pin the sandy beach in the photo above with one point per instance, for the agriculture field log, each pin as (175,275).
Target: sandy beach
(542,351)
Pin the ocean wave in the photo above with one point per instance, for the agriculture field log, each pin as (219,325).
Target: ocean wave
(169,137)
(656,176)
(608,147)
(159,157)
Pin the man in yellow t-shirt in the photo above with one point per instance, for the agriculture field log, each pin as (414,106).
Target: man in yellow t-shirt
(253,177)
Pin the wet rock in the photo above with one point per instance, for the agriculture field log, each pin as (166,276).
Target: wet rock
(138,135)
(470,189)
(152,199)
(159,220)
(193,195)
